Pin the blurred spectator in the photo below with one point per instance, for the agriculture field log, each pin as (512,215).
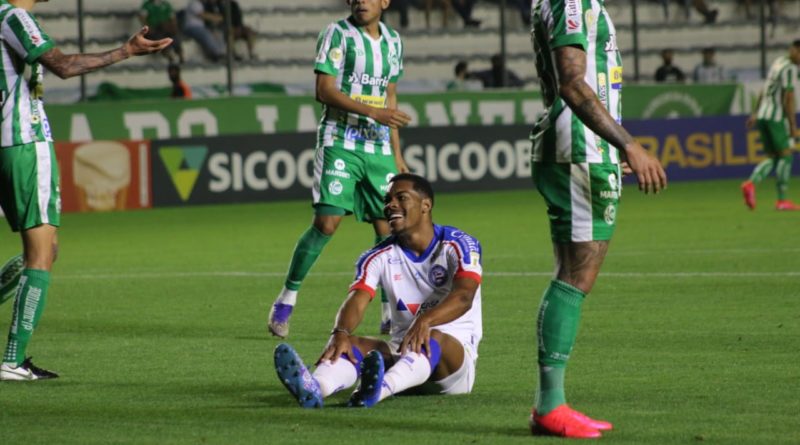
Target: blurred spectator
(180,90)
(401,6)
(194,26)
(445,4)
(460,80)
(709,15)
(524,7)
(668,72)
(708,71)
(464,9)
(240,30)
(493,77)
(159,16)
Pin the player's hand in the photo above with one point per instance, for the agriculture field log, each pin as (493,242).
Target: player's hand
(417,336)
(646,167)
(401,165)
(139,45)
(751,122)
(338,344)
(626,168)
(391,117)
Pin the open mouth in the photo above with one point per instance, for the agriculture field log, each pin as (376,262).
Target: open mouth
(395,217)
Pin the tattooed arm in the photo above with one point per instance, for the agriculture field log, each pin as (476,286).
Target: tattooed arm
(69,65)
(579,96)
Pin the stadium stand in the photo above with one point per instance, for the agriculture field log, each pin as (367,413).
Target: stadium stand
(287,30)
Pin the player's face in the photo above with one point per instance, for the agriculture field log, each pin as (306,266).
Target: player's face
(367,11)
(405,209)
(794,54)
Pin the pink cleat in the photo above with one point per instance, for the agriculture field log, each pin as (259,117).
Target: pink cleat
(600,425)
(563,423)
(749,193)
(785,204)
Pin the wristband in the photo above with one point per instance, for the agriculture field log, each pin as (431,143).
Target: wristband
(335,330)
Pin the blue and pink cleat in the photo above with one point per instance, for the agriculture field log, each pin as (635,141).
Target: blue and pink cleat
(296,377)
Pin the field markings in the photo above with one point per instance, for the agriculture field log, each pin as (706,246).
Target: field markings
(246,274)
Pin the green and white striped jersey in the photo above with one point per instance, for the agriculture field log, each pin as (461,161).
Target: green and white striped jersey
(781,79)
(364,68)
(23,42)
(559,136)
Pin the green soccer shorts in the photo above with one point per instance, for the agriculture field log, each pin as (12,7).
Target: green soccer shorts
(352,180)
(775,136)
(581,199)
(29,192)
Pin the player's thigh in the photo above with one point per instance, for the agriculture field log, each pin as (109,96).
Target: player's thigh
(367,344)
(379,170)
(336,175)
(774,136)
(29,185)
(582,199)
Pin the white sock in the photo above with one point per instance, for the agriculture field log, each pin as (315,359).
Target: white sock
(287,296)
(411,370)
(334,377)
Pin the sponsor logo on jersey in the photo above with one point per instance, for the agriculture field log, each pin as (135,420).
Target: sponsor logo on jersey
(574,20)
(474,258)
(437,275)
(602,88)
(372,101)
(369,132)
(31,28)
(610,214)
(397,277)
(395,260)
(591,18)
(339,164)
(613,182)
(366,79)
(616,77)
(407,307)
(337,173)
(335,187)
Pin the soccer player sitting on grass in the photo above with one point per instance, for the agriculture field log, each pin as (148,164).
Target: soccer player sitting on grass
(775,119)
(431,275)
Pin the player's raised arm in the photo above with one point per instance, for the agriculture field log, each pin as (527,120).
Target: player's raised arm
(347,320)
(328,94)
(70,65)
(579,96)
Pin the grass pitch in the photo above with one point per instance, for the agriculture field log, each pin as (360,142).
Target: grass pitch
(156,322)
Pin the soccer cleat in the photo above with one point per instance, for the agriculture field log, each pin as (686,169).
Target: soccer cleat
(749,194)
(785,204)
(9,277)
(561,422)
(25,372)
(386,326)
(600,425)
(296,377)
(369,391)
(279,319)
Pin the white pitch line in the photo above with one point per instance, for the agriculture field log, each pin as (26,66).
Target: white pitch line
(243,274)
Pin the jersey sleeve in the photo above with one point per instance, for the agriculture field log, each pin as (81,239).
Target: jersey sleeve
(330,50)
(397,69)
(790,78)
(368,272)
(464,257)
(565,23)
(22,32)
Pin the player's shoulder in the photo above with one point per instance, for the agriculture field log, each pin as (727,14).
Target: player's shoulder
(461,238)
(389,32)
(382,248)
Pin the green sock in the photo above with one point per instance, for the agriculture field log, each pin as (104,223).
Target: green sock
(28,307)
(762,170)
(783,172)
(556,327)
(306,252)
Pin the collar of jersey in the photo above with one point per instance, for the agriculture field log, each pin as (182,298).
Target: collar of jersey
(437,235)
(360,30)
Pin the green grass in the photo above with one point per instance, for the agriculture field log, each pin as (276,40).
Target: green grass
(692,334)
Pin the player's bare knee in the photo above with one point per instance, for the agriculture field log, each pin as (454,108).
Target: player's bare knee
(327,225)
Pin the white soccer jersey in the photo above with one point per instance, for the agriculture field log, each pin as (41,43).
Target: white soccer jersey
(414,284)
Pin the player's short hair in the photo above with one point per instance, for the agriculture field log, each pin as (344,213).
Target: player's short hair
(796,43)
(421,185)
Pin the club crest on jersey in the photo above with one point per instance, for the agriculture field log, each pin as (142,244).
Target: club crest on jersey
(410,307)
(610,214)
(437,275)
(335,187)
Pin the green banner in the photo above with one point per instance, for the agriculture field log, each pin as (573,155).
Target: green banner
(163,119)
